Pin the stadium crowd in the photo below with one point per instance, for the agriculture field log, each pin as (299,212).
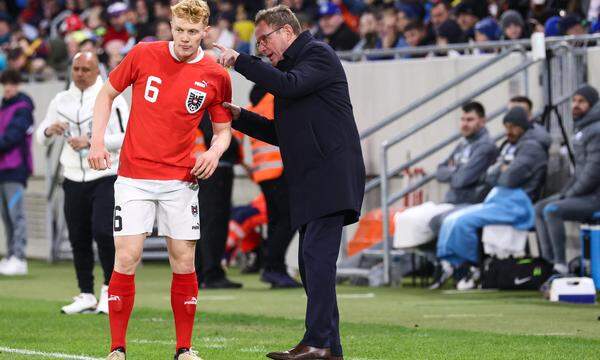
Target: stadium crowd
(38,37)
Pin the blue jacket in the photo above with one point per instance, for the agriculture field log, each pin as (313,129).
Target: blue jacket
(14,136)
(314,128)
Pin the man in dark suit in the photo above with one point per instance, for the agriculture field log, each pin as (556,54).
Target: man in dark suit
(317,135)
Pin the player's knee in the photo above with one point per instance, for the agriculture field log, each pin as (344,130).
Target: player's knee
(126,260)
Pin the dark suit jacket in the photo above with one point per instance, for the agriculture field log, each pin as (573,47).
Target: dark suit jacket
(314,128)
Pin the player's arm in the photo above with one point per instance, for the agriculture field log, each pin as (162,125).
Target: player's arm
(207,162)
(99,157)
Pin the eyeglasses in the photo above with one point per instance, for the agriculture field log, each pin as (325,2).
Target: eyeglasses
(263,39)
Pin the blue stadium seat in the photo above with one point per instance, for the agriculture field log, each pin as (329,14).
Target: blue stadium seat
(591,230)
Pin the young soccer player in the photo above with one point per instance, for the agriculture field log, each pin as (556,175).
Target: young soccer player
(173,84)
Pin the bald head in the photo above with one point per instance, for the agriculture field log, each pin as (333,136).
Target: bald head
(85,69)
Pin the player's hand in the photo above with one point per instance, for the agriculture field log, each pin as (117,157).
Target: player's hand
(206,164)
(234,109)
(227,57)
(99,158)
(79,142)
(58,128)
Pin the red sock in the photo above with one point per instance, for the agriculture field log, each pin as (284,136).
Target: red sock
(184,290)
(121,294)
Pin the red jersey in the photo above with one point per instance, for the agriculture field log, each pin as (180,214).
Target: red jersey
(168,101)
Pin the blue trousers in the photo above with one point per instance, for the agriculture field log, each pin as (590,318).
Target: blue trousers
(458,241)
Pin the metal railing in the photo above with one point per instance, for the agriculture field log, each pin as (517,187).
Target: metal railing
(441,113)
(467,48)
(563,57)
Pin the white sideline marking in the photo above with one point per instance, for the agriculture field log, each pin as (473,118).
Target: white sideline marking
(356,296)
(473,291)
(144,341)
(254,349)
(555,334)
(211,343)
(47,354)
(460,316)
(352,296)
(202,298)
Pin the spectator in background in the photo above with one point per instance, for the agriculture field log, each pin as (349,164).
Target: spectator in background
(388,31)
(539,13)
(4,30)
(551,27)
(449,32)
(16,120)
(572,24)
(466,18)
(162,9)
(513,25)
(440,12)
(580,198)
(163,30)
(243,28)
(333,30)
(415,35)
(367,31)
(144,26)
(487,30)
(89,195)
(117,19)
(17,61)
(226,36)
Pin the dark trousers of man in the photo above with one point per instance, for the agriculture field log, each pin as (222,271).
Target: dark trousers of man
(89,214)
(214,203)
(279,231)
(550,217)
(319,249)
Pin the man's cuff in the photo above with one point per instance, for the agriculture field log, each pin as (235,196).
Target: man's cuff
(244,62)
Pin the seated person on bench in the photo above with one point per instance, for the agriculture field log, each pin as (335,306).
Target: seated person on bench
(517,177)
(463,171)
(580,198)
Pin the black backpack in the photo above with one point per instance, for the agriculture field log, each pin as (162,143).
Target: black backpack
(515,274)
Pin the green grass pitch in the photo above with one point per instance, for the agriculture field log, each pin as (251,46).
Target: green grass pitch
(386,323)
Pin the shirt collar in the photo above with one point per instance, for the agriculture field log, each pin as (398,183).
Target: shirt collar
(294,49)
(198,57)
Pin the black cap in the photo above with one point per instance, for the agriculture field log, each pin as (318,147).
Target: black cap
(517,116)
(589,93)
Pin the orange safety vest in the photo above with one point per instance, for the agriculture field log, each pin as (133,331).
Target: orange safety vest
(200,145)
(266,158)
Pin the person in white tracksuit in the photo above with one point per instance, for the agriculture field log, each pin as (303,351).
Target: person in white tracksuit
(89,194)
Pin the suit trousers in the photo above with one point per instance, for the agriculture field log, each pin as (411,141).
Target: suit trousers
(214,204)
(319,249)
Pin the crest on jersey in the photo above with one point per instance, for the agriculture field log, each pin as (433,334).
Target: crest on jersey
(194,100)
(194,210)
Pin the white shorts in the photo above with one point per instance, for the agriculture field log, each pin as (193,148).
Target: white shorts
(173,203)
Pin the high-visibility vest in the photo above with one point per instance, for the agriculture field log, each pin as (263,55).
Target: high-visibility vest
(200,145)
(266,158)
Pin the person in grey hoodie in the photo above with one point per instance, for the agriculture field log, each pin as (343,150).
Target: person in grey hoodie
(538,129)
(464,171)
(465,168)
(516,179)
(580,198)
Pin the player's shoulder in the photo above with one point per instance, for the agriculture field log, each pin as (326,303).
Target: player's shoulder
(210,65)
(150,47)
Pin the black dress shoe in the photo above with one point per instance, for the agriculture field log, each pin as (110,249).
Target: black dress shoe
(223,283)
(302,352)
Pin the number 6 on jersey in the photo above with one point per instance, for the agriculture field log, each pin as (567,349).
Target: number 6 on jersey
(151,92)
